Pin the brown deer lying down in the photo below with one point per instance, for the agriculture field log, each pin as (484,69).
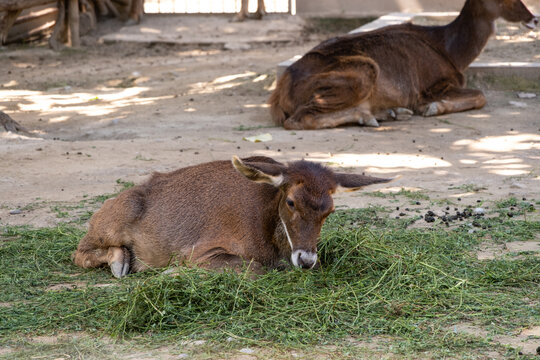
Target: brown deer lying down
(389,73)
(244,13)
(253,211)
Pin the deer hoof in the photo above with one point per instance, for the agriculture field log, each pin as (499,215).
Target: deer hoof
(131,22)
(371,122)
(117,269)
(120,264)
(238,18)
(402,113)
(431,110)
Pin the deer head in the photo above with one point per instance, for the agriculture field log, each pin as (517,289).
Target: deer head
(305,200)
(511,10)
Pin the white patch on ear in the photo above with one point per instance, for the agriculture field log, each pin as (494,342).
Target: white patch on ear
(249,172)
(276,180)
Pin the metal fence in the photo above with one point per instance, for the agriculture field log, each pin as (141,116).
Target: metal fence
(214,6)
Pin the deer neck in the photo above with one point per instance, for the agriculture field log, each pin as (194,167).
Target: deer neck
(465,37)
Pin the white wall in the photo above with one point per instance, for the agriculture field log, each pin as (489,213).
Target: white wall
(378,7)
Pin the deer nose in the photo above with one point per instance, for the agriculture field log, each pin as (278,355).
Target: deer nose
(304,259)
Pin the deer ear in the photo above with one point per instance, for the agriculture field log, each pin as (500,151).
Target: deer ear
(261,172)
(353,182)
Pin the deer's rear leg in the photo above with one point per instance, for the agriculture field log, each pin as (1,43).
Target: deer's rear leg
(118,258)
(336,97)
(110,235)
(454,100)
(355,115)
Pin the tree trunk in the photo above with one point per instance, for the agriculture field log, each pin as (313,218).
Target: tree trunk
(54,42)
(6,23)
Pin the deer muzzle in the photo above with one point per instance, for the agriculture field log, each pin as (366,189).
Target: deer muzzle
(304,259)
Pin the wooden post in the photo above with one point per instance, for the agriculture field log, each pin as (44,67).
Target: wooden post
(73,21)
(12,5)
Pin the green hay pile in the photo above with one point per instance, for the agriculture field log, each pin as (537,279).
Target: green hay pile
(411,284)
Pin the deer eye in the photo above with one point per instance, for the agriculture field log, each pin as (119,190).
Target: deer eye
(290,203)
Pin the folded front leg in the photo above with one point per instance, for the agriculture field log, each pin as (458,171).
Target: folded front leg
(454,100)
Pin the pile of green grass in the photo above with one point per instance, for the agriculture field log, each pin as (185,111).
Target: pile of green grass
(376,278)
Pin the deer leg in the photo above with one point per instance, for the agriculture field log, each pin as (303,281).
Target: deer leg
(394,114)
(88,255)
(454,100)
(112,232)
(355,115)
(118,259)
(135,13)
(336,97)
(243,13)
(261,9)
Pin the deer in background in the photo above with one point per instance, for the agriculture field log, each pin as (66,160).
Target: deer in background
(244,14)
(255,211)
(392,72)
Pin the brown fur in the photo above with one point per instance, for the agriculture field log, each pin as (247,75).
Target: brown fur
(217,215)
(359,77)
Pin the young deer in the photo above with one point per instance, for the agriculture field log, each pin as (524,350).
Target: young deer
(389,73)
(255,211)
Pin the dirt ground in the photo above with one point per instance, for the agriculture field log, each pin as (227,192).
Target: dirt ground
(123,110)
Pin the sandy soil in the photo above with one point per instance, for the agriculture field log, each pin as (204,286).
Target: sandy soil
(121,111)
